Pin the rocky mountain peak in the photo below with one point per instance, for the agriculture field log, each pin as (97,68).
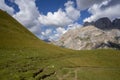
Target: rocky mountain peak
(104,23)
(116,23)
(89,24)
(102,33)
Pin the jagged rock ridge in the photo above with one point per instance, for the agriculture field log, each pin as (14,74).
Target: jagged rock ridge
(104,23)
(99,34)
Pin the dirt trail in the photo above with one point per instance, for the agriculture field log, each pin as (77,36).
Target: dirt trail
(76,69)
(93,67)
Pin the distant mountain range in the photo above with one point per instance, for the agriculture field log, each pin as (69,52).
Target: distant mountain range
(102,33)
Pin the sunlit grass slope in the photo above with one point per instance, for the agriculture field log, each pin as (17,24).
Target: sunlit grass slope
(13,34)
(24,57)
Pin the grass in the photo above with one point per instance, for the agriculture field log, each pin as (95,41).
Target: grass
(24,57)
(16,64)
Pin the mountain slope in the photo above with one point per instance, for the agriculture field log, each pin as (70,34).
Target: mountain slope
(100,34)
(25,57)
(13,34)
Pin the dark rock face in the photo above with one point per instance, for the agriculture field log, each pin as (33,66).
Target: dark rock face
(46,40)
(116,23)
(103,23)
(108,45)
(88,24)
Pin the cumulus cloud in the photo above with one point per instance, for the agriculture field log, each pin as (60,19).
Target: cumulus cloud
(59,31)
(84,4)
(108,12)
(45,34)
(61,17)
(28,12)
(71,11)
(74,26)
(51,34)
(5,7)
(58,18)
(100,8)
(28,15)
(31,18)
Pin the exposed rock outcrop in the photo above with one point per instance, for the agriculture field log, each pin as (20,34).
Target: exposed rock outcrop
(89,24)
(104,23)
(116,23)
(105,35)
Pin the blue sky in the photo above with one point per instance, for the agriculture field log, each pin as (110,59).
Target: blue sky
(50,19)
(46,6)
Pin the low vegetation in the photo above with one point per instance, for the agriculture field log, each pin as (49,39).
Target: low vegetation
(37,64)
(25,57)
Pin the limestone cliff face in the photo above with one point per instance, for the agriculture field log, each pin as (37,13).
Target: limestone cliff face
(92,37)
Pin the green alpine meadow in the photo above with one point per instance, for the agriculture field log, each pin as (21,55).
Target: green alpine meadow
(23,56)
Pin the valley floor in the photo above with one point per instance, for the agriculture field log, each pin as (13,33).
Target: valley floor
(35,64)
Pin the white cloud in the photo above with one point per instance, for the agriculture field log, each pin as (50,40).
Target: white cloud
(72,12)
(58,18)
(51,34)
(46,34)
(97,11)
(84,4)
(61,18)
(28,15)
(100,8)
(74,26)
(5,7)
(28,11)
(36,28)
(58,33)
(60,30)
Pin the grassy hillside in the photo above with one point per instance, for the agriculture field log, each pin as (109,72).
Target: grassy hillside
(25,57)
(13,34)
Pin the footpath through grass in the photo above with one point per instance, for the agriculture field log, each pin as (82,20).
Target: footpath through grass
(36,64)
